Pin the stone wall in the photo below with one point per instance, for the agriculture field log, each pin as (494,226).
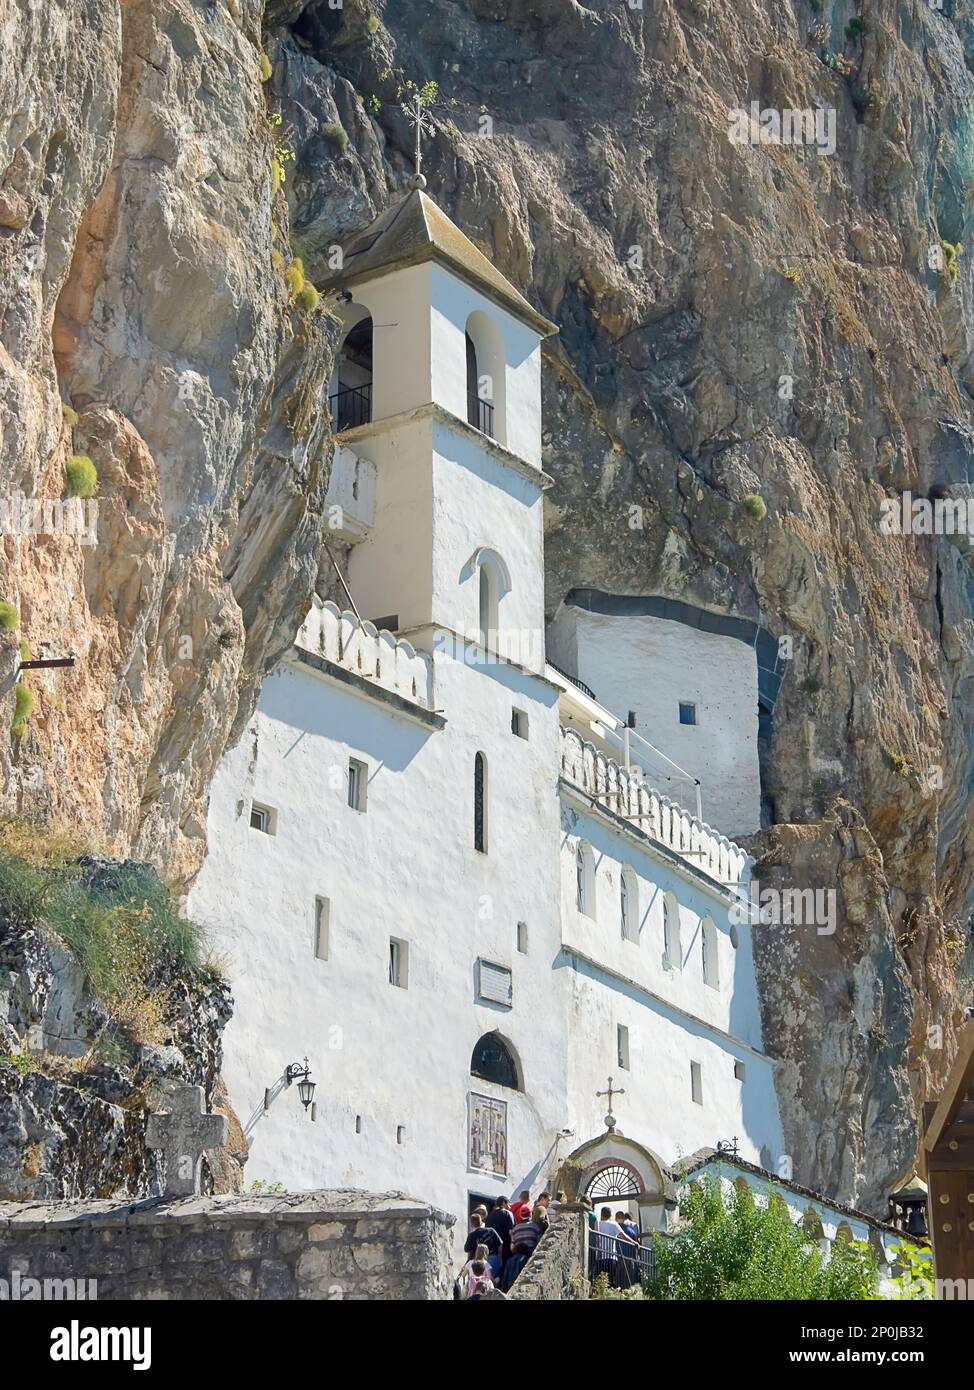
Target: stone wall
(313,1245)
(558,1269)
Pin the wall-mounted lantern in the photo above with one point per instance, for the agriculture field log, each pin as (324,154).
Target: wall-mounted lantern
(302,1075)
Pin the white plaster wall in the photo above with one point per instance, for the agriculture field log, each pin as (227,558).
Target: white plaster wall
(406,867)
(400,307)
(453,301)
(673,1017)
(650,665)
(391,570)
(480,501)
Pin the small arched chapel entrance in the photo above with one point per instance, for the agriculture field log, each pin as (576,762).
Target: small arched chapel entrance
(613,1169)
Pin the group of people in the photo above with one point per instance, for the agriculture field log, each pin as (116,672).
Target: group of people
(501,1242)
(614,1245)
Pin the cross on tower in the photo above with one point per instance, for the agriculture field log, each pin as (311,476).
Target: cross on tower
(182,1134)
(416,111)
(610,1119)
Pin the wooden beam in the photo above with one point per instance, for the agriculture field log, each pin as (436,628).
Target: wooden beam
(959,1080)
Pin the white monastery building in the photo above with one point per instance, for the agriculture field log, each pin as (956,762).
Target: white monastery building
(440,869)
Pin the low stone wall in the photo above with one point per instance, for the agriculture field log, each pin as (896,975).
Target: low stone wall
(312,1245)
(558,1269)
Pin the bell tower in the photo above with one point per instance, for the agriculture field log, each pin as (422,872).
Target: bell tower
(438,383)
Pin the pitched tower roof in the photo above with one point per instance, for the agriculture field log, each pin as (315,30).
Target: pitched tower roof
(416,230)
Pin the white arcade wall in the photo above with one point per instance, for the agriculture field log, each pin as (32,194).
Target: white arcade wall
(651,665)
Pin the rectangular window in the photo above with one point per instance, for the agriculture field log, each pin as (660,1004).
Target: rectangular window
(358,784)
(696,1083)
(622,1046)
(522,938)
(358,1124)
(398,963)
(262,818)
(494,983)
(322,914)
(740,1071)
(400,1133)
(688,713)
(519,723)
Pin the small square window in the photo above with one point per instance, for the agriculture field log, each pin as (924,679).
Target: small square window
(522,938)
(688,713)
(262,818)
(322,914)
(519,723)
(495,983)
(622,1046)
(696,1083)
(398,963)
(740,1071)
(358,784)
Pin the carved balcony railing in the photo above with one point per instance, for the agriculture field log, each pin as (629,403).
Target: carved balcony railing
(628,796)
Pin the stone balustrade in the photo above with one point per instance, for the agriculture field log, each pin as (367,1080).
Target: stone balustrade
(360,647)
(627,794)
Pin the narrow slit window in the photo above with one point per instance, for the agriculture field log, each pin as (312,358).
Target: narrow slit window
(519,723)
(262,818)
(622,1046)
(688,712)
(322,915)
(358,784)
(696,1083)
(480,803)
(522,938)
(398,963)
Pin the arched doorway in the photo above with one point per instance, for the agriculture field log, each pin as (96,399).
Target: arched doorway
(613,1169)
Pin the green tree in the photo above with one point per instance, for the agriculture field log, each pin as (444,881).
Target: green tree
(733,1248)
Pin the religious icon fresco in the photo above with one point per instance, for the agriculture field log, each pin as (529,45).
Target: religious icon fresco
(488,1134)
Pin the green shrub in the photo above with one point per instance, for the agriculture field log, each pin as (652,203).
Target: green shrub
(266,71)
(731,1248)
(755,506)
(335,134)
(308,298)
(23,702)
(9,617)
(277,175)
(854,29)
(372,24)
(123,932)
(952,252)
(294,276)
(69,416)
(81,475)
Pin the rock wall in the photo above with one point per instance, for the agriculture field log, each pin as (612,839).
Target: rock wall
(73,1112)
(735,321)
(319,1245)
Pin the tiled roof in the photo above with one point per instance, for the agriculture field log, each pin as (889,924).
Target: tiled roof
(695,1161)
(416,230)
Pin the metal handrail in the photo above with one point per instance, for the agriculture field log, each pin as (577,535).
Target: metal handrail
(480,414)
(351,406)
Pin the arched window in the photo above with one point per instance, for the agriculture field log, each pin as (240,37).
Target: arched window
(494,1060)
(708,947)
(672,948)
(480,803)
(494,579)
(486,369)
(350,395)
(585,879)
(629,905)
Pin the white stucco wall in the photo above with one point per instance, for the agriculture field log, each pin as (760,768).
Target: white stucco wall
(404,868)
(453,301)
(673,1017)
(650,665)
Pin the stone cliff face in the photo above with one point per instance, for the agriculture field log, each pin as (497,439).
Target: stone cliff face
(776,321)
